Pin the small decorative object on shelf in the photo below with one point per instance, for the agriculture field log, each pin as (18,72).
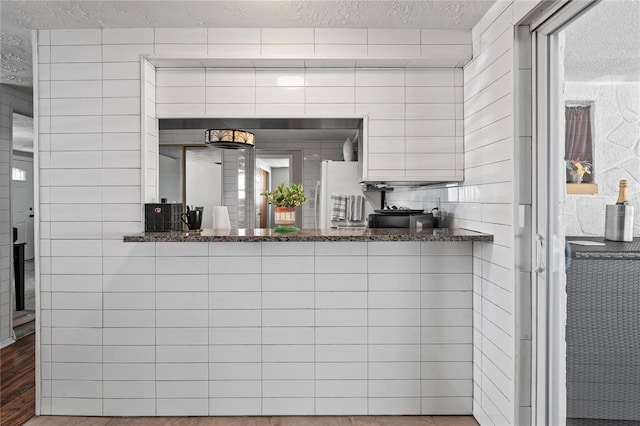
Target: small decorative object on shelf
(347,150)
(286,199)
(576,170)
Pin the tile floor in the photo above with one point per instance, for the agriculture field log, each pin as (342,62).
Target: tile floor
(256,421)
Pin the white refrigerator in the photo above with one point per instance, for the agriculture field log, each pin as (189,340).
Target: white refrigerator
(339,178)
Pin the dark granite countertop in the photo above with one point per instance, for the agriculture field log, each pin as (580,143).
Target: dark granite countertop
(611,249)
(350,234)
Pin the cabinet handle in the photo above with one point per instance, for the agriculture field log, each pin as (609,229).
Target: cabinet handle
(539,251)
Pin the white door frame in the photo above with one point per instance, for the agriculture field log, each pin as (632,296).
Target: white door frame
(549,293)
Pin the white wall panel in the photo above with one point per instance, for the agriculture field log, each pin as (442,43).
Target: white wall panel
(232,36)
(227,274)
(340,36)
(287,35)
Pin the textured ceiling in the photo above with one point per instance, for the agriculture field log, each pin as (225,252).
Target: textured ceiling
(604,43)
(20,16)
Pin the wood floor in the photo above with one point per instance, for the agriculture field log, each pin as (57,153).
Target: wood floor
(17,382)
(256,421)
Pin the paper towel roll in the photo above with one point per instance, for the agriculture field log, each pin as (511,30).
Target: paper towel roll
(221,218)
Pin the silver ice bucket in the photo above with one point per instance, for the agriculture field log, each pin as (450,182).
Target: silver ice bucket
(619,223)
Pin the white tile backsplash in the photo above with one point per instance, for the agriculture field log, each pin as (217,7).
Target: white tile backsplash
(230,95)
(393,36)
(287,50)
(234,50)
(287,35)
(340,36)
(76,124)
(234,77)
(120,70)
(75,37)
(280,95)
(77,106)
(127,35)
(168,95)
(76,53)
(341,50)
(116,106)
(182,406)
(394,50)
(125,53)
(120,88)
(181,35)
(76,71)
(380,95)
(183,110)
(231,36)
(322,95)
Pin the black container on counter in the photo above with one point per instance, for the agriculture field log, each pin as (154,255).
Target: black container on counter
(162,217)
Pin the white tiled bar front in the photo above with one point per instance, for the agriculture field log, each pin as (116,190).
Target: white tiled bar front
(251,328)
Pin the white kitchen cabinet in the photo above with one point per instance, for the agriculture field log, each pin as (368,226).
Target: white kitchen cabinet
(418,136)
(413,129)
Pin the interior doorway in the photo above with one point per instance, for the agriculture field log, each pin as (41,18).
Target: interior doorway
(272,169)
(22,181)
(263,178)
(22,220)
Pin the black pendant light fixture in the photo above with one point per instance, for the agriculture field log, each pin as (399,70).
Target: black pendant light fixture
(230,139)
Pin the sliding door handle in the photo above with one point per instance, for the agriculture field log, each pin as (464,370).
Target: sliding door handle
(539,253)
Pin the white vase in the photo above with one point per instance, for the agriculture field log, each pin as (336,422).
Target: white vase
(347,150)
(221,218)
(575,178)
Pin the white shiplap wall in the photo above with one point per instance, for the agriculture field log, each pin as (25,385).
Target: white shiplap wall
(91,165)
(82,261)
(10,100)
(90,188)
(489,138)
(487,201)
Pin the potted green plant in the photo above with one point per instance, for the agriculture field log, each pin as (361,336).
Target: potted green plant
(285,199)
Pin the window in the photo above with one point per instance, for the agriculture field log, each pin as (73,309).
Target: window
(578,137)
(18,174)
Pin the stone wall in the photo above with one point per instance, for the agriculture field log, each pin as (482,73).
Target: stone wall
(616,125)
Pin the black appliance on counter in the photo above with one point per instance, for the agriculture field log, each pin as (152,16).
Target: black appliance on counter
(400,217)
(392,218)
(162,217)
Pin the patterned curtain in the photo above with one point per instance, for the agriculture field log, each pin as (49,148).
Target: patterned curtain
(578,141)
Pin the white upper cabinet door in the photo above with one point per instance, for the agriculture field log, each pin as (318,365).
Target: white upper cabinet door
(415,126)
